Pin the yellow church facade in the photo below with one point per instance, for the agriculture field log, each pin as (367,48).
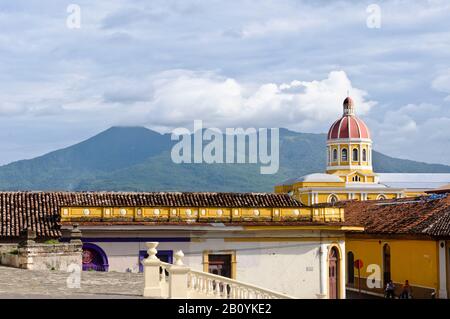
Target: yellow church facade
(349,174)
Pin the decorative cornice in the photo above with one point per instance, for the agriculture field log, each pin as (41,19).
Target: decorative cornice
(349,140)
(156,215)
(350,167)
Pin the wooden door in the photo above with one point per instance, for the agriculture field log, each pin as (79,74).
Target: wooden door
(350,267)
(386,264)
(333,274)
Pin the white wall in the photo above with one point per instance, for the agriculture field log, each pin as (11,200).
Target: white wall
(288,267)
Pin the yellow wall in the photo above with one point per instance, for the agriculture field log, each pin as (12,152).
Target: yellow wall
(413,260)
(225,214)
(323,197)
(349,148)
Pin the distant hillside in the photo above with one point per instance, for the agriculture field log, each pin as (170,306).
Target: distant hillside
(138,159)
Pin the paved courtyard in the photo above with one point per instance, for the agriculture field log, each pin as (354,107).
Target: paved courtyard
(21,283)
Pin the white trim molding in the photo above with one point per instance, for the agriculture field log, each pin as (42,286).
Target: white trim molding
(332,194)
(346,190)
(349,140)
(346,167)
(442,270)
(323,269)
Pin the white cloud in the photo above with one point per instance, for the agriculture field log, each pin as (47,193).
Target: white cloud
(279,26)
(277,68)
(442,83)
(180,97)
(414,131)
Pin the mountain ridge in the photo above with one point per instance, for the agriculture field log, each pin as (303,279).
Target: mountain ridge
(138,159)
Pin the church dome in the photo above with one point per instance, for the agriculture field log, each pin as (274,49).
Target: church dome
(349,126)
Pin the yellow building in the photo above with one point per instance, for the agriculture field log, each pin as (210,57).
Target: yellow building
(403,239)
(349,173)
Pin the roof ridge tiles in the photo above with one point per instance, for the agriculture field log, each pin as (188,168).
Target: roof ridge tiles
(40,210)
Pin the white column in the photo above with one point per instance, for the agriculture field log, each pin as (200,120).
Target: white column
(442,270)
(360,153)
(323,264)
(328,156)
(152,286)
(313,198)
(178,278)
(339,154)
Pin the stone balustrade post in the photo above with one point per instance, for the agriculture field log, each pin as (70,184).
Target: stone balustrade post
(178,279)
(152,284)
(27,241)
(27,237)
(75,235)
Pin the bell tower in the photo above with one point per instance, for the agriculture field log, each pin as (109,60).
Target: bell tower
(349,147)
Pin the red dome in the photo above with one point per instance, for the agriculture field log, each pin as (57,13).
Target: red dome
(348,126)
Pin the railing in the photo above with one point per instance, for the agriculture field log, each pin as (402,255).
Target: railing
(163,280)
(206,285)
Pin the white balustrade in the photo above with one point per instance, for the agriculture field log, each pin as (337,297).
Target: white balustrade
(152,286)
(163,280)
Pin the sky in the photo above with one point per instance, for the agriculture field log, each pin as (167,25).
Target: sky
(283,63)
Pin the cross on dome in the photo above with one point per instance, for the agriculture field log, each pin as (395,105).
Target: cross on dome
(349,106)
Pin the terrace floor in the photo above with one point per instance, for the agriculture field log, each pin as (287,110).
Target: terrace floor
(24,284)
(21,283)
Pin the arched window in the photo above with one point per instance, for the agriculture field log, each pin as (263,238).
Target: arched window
(364,155)
(355,155)
(94,258)
(356,178)
(344,156)
(381,197)
(350,267)
(333,199)
(335,155)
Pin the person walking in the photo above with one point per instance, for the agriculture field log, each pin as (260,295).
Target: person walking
(390,290)
(406,291)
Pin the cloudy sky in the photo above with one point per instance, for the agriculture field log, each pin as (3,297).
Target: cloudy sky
(283,63)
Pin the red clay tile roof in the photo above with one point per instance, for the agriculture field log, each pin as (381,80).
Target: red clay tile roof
(40,210)
(408,216)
